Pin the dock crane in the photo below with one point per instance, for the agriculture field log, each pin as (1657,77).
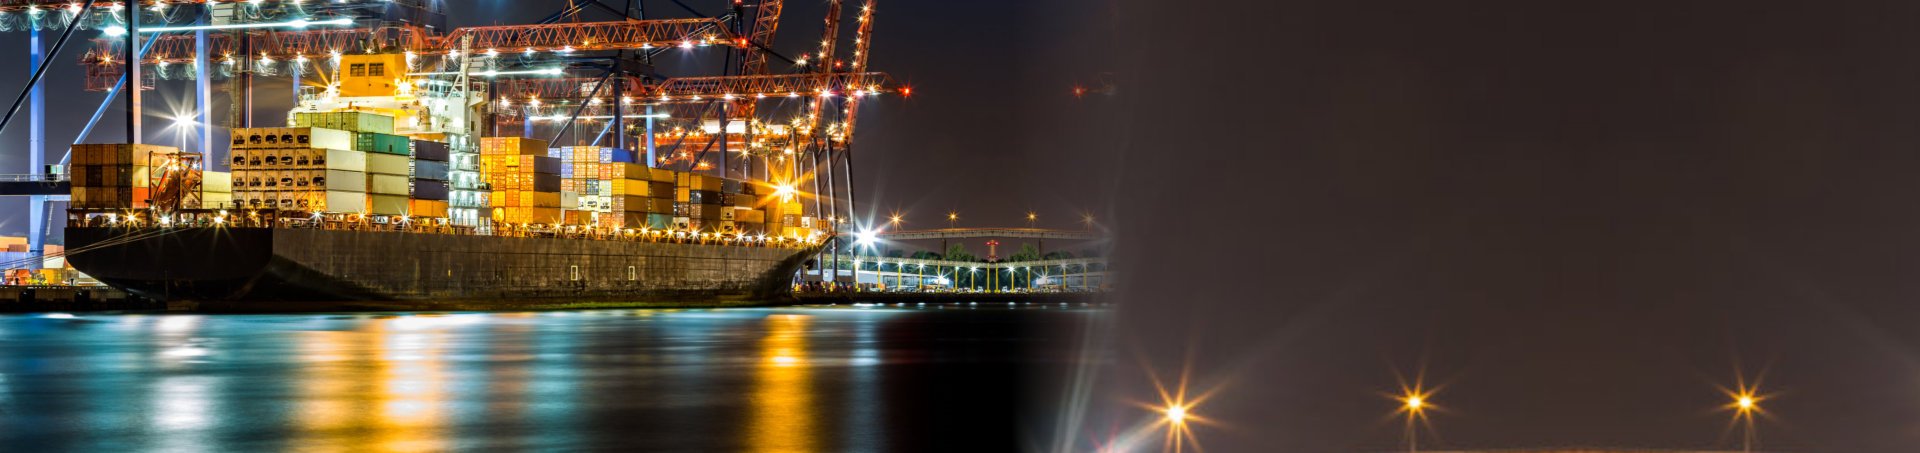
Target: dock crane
(246,53)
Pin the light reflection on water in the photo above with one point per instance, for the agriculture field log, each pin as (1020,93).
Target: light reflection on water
(786,380)
(783,412)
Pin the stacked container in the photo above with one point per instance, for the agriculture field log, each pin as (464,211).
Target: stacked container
(639,197)
(524,180)
(430,176)
(346,121)
(308,169)
(586,188)
(389,173)
(748,218)
(700,205)
(112,176)
(786,218)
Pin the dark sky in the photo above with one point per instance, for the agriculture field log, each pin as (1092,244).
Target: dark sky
(1582,217)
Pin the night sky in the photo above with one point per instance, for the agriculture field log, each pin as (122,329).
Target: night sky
(1581,217)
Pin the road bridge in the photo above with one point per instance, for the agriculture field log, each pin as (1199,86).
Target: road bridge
(27,185)
(1070,274)
(982,233)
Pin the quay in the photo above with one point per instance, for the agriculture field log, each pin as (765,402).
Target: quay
(26,299)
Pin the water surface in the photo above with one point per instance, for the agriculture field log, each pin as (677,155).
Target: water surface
(934,378)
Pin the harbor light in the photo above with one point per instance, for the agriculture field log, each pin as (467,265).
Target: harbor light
(117,30)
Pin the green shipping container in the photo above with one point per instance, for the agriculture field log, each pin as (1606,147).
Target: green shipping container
(346,121)
(383,143)
(660,221)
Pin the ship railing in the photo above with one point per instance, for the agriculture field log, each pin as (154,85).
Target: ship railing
(285,219)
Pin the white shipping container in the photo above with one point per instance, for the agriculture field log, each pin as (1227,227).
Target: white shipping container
(349,181)
(388,164)
(328,138)
(216,182)
(216,200)
(346,202)
(388,185)
(346,159)
(387,204)
(569,200)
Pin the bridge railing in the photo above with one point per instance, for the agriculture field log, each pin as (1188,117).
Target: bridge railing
(969,233)
(33,178)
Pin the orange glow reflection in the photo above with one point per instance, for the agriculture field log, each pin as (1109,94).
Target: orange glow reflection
(377,389)
(782,408)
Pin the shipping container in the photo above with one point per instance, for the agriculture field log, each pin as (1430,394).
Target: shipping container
(427,208)
(342,180)
(704,197)
(431,151)
(386,204)
(383,144)
(389,164)
(345,159)
(115,153)
(430,170)
(346,121)
(291,137)
(514,146)
(378,184)
(345,202)
(216,200)
(545,182)
(430,190)
(662,175)
(697,181)
(570,217)
(523,215)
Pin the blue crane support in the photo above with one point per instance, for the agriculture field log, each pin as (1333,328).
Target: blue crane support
(37,154)
(203,88)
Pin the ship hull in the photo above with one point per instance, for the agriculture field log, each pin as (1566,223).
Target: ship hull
(217,269)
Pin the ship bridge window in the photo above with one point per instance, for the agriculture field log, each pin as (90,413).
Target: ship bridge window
(631,274)
(576,272)
(358,70)
(377,69)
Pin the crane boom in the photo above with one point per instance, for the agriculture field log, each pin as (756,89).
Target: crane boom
(316,43)
(862,40)
(702,89)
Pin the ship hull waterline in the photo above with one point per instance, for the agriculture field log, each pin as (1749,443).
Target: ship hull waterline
(280,270)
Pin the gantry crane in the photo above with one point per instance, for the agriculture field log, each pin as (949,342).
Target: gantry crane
(520,95)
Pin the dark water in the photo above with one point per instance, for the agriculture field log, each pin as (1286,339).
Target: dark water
(791,380)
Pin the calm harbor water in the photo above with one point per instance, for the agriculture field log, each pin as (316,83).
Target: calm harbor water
(829,379)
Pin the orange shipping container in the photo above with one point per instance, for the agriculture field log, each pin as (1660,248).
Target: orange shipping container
(513,146)
(427,208)
(528,215)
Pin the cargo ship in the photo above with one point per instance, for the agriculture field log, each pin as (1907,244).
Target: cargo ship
(320,232)
(315,266)
(371,199)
